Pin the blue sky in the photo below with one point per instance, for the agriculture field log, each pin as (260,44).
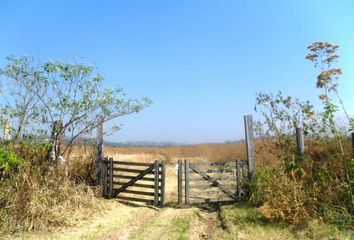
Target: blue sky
(201,62)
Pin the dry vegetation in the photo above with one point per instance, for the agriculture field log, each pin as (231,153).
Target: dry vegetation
(69,202)
(201,152)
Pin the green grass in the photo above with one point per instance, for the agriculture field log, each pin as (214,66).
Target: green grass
(180,227)
(244,222)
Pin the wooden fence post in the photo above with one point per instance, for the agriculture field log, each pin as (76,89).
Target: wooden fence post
(238,178)
(186,180)
(163,183)
(249,144)
(110,194)
(180,178)
(300,143)
(99,151)
(156,190)
(104,177)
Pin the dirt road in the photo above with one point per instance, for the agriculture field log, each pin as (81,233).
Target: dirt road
(171,222)
(138,221)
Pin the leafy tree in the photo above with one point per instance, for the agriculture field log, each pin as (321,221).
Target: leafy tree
(20,86)
(283,114)
(70,96)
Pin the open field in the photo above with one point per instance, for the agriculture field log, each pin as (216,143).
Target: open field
(213,152)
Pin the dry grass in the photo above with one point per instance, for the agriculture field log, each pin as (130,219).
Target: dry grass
(244,222)
(36,197)
(207,152)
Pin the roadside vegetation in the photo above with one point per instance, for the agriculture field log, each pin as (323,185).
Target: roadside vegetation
(245,222)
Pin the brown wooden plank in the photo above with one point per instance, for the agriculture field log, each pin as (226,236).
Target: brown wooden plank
(141,185)
(133,163)
(133,199)
(131,170)
(132,177)
(210,200)
(206,186)
(211,171)
(209,194)
(198,179)
(213,164)
(138,192)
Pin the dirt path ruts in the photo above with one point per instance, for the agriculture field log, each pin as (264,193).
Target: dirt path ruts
(170,222)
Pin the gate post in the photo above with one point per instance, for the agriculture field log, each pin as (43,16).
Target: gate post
(104,178)
(180,176)
(238,177)
(99,151)
(110,194)
(156,190)
(300,142)
(163,182)
(249,144)
(186,180)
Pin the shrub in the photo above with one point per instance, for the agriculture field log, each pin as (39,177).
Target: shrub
(36,198)
(9,161)
(313,187)
(279,197)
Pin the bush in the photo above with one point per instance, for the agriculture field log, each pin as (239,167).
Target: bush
(312,187)
(36,197)
(279,197)
(9,161)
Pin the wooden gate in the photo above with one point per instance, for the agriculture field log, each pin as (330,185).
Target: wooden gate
(134,181)
(220,181)
(212,182)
